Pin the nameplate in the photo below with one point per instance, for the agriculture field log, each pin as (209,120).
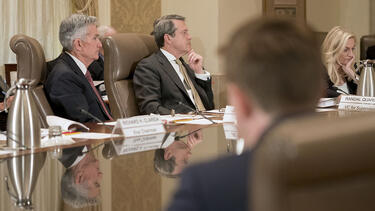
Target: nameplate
(139,126)
(357,103)
(144,143)
(230,131)
(229,115)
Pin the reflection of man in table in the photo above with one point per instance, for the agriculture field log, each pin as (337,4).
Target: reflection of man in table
(274,70)
(172,160)
(80,184)
(164,79)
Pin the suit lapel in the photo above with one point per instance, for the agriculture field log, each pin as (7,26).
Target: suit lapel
(69,60)
(171,72)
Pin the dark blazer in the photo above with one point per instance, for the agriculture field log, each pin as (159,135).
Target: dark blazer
(96,69)
(332,90)
(158,89)
(68,91)
(218,185)
(69,155)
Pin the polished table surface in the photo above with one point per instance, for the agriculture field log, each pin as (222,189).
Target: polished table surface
(124,181)
(121,181)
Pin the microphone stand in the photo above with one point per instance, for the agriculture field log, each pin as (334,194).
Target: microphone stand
(197,112)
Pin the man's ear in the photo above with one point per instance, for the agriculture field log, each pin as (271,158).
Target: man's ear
(77,44)
(167,154)
(167,38)
(78,178)
(238,99)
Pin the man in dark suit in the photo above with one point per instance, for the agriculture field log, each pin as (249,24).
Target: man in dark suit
(274,70)
(69,86)
(164,81)
(96,68)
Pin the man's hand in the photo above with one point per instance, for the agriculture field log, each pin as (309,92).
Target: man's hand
(195,62)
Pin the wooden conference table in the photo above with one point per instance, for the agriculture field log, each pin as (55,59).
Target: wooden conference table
(128,179)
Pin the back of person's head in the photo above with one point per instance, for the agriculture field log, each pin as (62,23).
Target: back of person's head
(76,195)
(162,166)
(333,45)
(104,30)
(74,27)
(277,63)
(164,25)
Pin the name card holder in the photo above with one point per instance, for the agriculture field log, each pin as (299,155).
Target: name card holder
(230,131)
(143,143)
(357,103)
(139,126)
(229,115)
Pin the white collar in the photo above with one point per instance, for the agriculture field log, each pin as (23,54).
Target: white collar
(80,157)
(169,56)
(81,66)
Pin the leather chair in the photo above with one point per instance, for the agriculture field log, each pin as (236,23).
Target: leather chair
(31,64)
(315,163)
(122,52)
(366,41)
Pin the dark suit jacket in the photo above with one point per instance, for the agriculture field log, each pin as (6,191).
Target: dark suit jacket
(332,90)
(158,89)
(69,155)
(96,69)
(217,185)
(68,91)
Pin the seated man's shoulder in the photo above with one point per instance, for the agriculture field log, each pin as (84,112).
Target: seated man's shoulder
(222,166)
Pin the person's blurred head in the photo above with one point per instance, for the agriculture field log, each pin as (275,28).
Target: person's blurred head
(78,35)
(80,185)
(105,31)
(172,160)
(337,49)
(171,34)
(273,68)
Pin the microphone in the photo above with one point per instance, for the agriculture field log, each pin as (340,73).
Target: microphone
(196,111)
(83,111)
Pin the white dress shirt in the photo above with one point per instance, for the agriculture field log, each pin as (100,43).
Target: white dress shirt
(172,59)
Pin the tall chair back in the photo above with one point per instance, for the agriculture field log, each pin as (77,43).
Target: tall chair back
(366,42)
(316,163)
(122,52)
(31,64)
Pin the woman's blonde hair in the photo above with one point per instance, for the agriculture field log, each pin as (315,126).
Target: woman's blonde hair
(333,45)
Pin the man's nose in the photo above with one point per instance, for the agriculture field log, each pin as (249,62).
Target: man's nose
(99,44)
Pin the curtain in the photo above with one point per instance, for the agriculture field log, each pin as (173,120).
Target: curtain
(87,7)
(39,19)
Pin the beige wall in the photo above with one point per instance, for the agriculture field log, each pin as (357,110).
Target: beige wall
(211,21)
(353,15)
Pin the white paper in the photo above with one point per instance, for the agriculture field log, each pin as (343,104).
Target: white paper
(57,141)
(63,123)
(202,122)
(327,102)
(108,123)
(3,152)
(98,82)
(87,135)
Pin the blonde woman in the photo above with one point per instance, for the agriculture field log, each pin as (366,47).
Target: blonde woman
(338,57)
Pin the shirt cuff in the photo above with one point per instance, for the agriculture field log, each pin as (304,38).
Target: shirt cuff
(203,76)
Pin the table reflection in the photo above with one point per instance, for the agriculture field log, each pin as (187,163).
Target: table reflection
(171,160)
(129,174)
(80,183)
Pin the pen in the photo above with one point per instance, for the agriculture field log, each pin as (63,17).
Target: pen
(182,120)
(70,133)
